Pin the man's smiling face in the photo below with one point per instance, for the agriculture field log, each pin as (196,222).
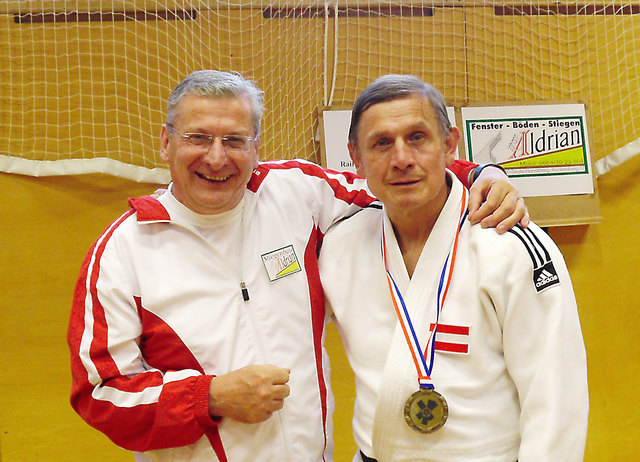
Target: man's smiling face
(210,181)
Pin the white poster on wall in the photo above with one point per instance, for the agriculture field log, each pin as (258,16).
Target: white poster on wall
(336,134)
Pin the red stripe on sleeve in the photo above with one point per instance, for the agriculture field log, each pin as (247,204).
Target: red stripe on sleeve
(461,168)
(98,351)
(316,295)
(356,196)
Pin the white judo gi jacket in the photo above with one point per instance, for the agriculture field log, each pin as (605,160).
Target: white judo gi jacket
(510,358)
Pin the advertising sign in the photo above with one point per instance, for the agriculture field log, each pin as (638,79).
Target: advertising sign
(543,148)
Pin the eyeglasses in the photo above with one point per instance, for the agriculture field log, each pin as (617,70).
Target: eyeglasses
(204,141)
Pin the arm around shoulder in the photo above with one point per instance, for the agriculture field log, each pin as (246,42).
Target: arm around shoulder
(494,201)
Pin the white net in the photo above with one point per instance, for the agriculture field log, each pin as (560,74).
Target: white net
(84,83)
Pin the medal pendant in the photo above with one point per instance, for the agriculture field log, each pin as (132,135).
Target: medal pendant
(426,410)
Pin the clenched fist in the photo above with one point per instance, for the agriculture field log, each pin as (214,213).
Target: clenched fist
(250,394)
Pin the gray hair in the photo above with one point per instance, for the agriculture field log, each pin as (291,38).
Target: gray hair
(395,86)
(217,84)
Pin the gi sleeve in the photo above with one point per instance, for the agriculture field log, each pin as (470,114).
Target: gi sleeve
(544,350)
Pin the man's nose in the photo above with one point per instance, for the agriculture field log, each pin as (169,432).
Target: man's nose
(216,154)
(402,154)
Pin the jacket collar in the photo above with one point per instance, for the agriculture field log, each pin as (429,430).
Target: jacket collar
(149,210)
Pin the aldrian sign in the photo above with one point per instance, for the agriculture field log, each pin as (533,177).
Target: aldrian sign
(530,146)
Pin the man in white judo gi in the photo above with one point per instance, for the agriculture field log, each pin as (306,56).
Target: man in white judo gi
(466,344)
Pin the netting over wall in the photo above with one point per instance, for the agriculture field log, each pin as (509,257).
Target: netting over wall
(83,84)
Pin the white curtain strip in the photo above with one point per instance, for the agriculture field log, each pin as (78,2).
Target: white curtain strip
(617,157)
(38,168)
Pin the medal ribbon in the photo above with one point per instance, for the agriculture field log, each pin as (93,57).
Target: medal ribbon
(419,358)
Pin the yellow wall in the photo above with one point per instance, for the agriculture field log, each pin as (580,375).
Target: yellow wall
(47,224)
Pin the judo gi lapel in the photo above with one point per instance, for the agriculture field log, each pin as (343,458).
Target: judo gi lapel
(400,378)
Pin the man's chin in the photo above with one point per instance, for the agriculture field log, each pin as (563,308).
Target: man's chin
(216,202)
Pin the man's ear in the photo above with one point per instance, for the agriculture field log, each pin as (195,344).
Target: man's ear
(451,144)
(355,158)
(164,143)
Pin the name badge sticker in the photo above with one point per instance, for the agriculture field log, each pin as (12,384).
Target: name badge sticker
(281,263)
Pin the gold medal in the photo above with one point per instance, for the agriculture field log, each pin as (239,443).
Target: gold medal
(426,410)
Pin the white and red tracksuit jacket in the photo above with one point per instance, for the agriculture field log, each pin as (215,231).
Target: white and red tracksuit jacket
(156,315)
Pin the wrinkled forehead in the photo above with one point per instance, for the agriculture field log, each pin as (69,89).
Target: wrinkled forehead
(405,113)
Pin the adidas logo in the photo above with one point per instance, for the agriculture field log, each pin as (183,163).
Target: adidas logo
(545,276)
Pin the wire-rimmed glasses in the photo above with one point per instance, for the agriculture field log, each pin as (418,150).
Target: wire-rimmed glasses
(204,141)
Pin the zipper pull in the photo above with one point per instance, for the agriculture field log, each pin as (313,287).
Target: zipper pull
(245,291)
